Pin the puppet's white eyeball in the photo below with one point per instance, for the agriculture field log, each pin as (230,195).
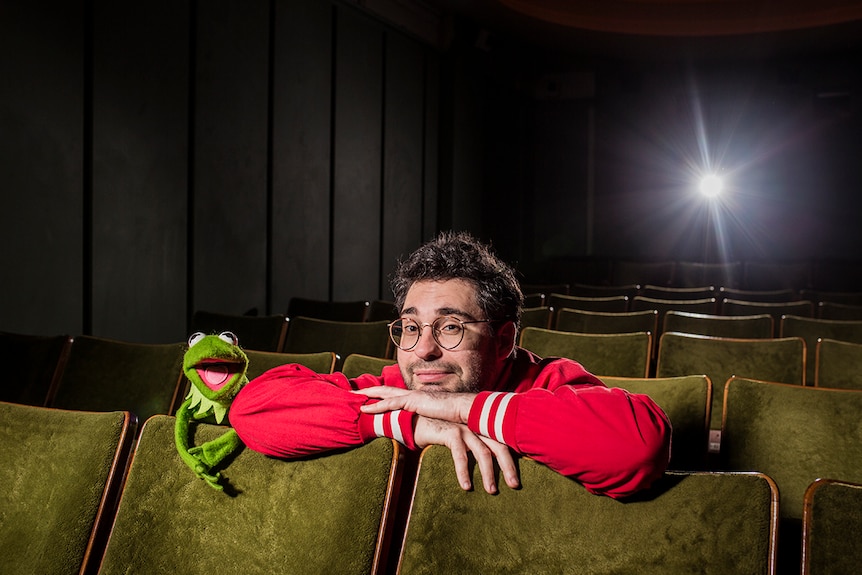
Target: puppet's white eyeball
(229,336)
(195,337)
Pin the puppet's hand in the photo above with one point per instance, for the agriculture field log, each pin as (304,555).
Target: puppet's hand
(213,452)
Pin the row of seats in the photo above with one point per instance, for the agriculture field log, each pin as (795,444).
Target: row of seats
(752,275)
(74,505)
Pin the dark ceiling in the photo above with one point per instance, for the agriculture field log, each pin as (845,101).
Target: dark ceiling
(669,29)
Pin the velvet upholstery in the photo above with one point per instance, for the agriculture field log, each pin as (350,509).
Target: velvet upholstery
(662,306)
(794,434)
(261,361)
(687,401)
(616,303)
(842,311)
(327,514)
(781,360)
(30,363)
(536,316)
(60,471)
(619,354)
(108,375)
(832,522)
(309,335)
(775,295)
(845,297)
(802,308)
(757,326)
(811,329)
(585,321)
(838,364)
(262,333)
(353,310)
(357,364)
(681,293)
(686,523)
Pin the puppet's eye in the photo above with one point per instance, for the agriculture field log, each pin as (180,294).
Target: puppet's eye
(195,337)
(229,336)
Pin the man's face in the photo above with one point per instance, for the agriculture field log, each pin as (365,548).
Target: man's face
(474,363)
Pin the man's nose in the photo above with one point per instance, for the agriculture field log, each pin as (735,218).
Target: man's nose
(427,346)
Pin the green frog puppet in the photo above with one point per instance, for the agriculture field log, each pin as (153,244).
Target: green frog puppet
(216,367)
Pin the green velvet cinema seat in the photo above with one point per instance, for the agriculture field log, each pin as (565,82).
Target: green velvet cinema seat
(794,434)
(310,335)
(838,364)
(811,329)
(708,523)
(781,360)
(585,321)
(357,364)
(108,375)
(758,326)
(261,361)
(262,333)
(831,523)
(615,354)
(662,306)
(60,471)
(677,293)
(352,310)
(539,316)
(320,515)
(30,363)
(615,303)
(687,401)
(802,308)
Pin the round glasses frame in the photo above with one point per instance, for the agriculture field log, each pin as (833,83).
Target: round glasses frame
(396,331)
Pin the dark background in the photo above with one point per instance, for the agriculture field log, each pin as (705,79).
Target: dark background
(168,156)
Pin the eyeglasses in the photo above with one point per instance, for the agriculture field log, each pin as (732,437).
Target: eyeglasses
(447,331)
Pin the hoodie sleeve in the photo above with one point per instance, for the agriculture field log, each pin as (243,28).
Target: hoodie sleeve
(291,411)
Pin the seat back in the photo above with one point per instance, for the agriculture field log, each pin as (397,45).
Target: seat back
(627,272)
(845,297)
(662,306)
(261,361)
(30,363)
(615,303)
(757,326)
(582,321)
(687,401)
(838,364)
(793,434)
(675,293)
(380,310)
(327,514)
(309,335)
(618,354)
(262,333)
(327,309)
(776,275)
(688,274)
(356,364)
(536,316)
(811,329)
(802,308)
(685,523)
(61,471)
(108,375)
(832,511)
(719,358)
(590,290)
(843,311)
(776,296)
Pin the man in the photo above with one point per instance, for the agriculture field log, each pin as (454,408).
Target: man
(460,381)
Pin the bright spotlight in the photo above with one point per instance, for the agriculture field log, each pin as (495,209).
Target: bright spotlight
(710,186)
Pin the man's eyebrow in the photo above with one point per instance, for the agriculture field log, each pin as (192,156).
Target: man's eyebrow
(441,312)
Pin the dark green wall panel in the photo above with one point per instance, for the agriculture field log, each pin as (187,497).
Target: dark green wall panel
(140,169)
(230,107)
(41,166)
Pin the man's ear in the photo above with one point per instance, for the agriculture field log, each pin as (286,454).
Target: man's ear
(506,334)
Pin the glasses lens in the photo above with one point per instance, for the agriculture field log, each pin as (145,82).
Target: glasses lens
(448,332)
(405,333)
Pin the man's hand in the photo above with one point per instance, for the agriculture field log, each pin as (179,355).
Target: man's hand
(447,406)
(443,421)
(461,441)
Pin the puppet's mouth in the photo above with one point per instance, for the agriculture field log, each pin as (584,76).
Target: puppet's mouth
(216,374)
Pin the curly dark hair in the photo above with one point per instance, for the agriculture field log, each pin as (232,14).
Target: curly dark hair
(458,255)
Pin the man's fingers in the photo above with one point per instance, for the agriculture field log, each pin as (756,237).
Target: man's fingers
(462,467)
(505,461)
(485,460)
